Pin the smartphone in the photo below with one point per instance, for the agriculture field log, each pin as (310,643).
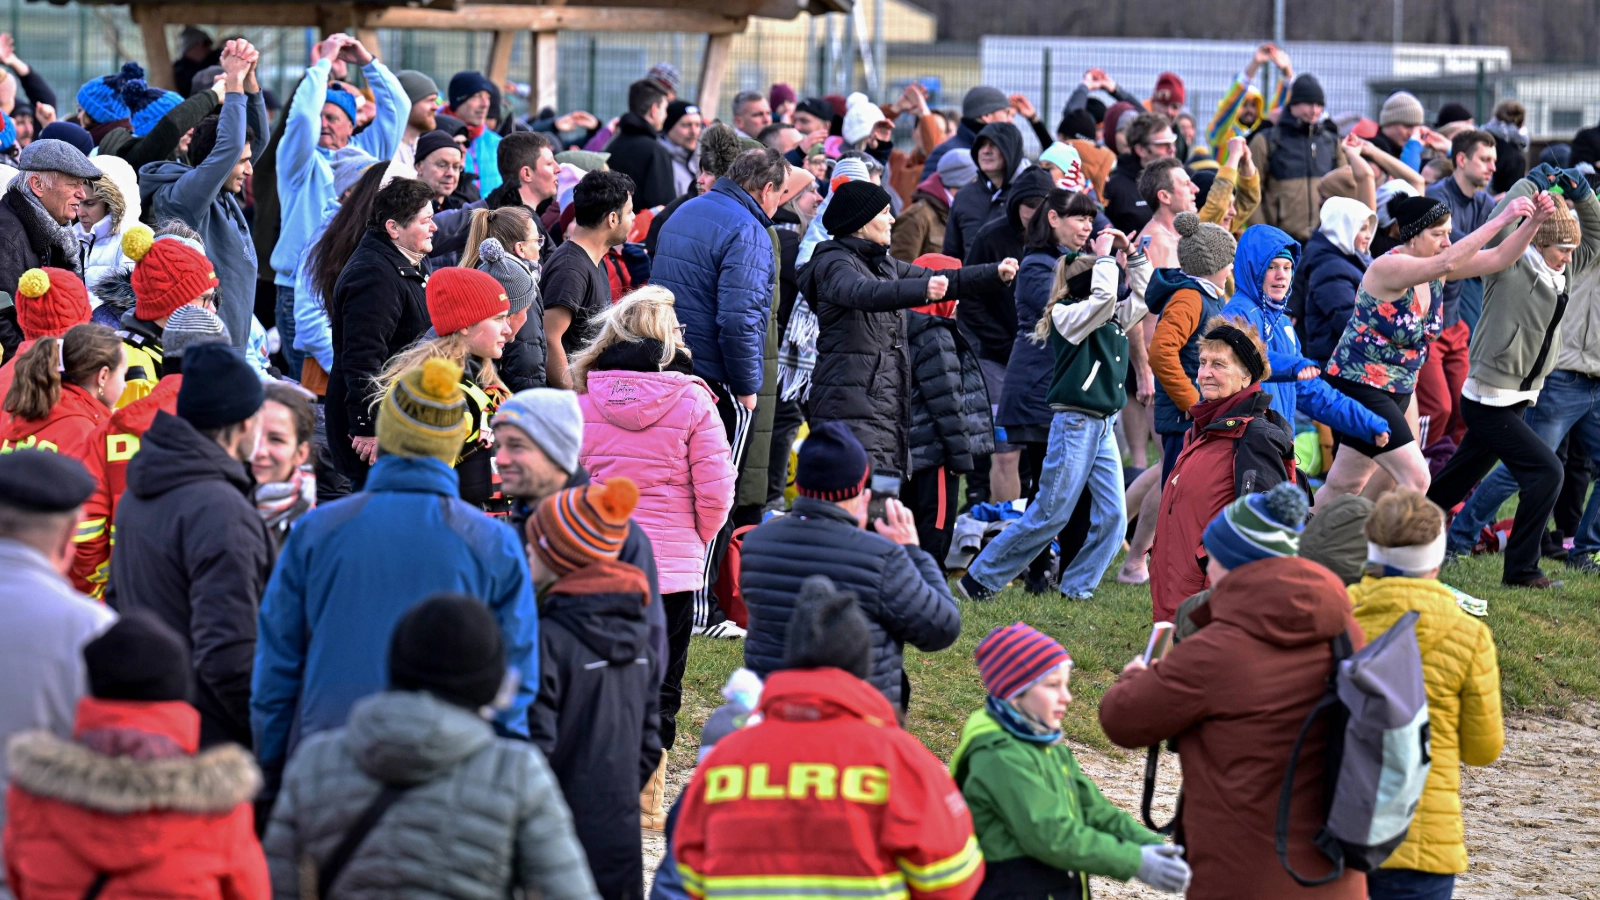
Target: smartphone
(884,487)
(1160,642)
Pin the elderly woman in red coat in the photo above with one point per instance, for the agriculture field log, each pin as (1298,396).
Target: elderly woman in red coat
(1237,445)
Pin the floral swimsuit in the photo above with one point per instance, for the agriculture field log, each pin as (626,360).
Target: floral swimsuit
(1386,341)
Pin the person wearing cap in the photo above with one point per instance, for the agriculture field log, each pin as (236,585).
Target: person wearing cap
(470,97)
(997,152)
(36,217)
(596,718)
(980,107)
(1243,107)
(680,136)
(62,391)
(44,622)
(423,94)
(206,196)
(1293,155)
(425,730)
(1398,312)
(438,163)
(1510,369)
(637,151)
(781,97)
(169,273)
(869,127)
(197,50)
(1401,127)
(826,763)
(189,546)
(131,800)
(101,101)
(1406,547)
(919,229)
(1042,824)
(317,131)
(900,588)
(120,441)
(113,206)
(1238,691)
(352,568)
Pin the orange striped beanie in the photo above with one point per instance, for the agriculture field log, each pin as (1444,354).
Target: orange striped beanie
(582,525)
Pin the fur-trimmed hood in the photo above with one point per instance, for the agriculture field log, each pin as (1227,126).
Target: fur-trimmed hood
(215,781)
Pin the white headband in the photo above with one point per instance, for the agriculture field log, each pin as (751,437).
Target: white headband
(1413,561)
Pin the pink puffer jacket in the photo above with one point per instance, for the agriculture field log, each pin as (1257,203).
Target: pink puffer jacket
(661,429)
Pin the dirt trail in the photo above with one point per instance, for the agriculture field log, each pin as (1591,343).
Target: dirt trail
(1533,818)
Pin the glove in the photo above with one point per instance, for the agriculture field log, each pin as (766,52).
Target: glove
(1162,867)
(1575,185)
(1543,176)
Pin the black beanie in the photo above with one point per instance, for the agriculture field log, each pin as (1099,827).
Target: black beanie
(852,205)
(827,630)
(138,658)
(832,464)
(449,645)
(1415,215)
(1306,89)
(219,388)
(1078,123)
(434,140)
(1452,112)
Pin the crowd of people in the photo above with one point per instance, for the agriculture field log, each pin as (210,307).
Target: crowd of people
(367,464)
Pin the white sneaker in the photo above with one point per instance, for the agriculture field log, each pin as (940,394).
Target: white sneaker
(724,629)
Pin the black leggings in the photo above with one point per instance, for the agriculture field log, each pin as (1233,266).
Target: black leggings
(679,608)
(1497,433)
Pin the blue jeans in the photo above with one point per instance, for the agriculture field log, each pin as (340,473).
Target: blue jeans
(1082,454)
(1568,401)
(283,312)
(1408,884)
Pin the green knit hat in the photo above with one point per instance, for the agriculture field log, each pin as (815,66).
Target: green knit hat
(1258,526)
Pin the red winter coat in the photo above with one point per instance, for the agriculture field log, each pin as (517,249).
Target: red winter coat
(70,428)
(826,795)
(107,461)
(128,798)
(1235,695)
(1236,446)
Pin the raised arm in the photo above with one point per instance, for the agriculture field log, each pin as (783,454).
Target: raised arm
(1508,248)
(1393,274)
(302,127)
(382,137)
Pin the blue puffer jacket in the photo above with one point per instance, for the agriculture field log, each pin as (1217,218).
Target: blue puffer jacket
(1257,247)
(1332,278)
(347,574)
(899,588)
(715,256)
(1032,365)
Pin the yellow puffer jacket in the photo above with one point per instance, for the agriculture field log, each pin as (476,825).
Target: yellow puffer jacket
(1463,680)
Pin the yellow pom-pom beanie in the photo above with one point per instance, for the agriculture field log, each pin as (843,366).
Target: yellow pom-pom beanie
(425,413)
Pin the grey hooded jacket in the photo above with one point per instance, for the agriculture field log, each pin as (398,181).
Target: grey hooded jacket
(485,813)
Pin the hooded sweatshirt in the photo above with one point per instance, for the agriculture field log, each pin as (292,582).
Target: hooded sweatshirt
(983,200)
(1185,304)
(1257,248)
(1329,275)
(991,315)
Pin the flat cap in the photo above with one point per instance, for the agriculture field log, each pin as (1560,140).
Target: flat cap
(43,482)
(56,156)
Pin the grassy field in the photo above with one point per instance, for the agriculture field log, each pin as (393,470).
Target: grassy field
(1547,642)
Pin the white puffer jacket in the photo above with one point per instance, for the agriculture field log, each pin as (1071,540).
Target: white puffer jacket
(100,247)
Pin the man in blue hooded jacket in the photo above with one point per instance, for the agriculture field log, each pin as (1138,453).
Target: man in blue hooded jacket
(1263,270)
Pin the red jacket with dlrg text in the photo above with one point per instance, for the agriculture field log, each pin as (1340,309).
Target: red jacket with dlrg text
(826,796)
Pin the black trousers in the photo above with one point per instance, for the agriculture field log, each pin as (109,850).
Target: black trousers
(679,608)
(1498,434)
(1574,484)
(933,497)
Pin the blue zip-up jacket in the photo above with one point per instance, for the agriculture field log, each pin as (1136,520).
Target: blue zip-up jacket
(305,178)
(1032,365)
(313,329)
(715,255)
(347,574)
(1257,247)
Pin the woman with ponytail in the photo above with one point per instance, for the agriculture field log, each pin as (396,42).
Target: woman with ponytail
(505,243)
(62,391)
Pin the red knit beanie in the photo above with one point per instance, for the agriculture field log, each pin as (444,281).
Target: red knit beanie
(167,273)
(582,525)
(461,298)
(49,302)
(1169,89)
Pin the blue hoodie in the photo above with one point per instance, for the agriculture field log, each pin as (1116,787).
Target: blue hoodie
(1257,247)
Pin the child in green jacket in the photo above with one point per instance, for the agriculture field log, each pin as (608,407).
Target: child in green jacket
(1043,826)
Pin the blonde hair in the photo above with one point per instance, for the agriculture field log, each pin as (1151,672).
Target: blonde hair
(451,346)
(1404,518)
(1059,291)
(510,225)
(642,315)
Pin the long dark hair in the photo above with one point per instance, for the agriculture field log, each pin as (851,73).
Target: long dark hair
(1039,235)
(338,243)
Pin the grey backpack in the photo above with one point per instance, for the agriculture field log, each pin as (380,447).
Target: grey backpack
(1376,708)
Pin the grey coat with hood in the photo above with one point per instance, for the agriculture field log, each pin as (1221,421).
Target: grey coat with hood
(194,196)
(982,201)
(484,814)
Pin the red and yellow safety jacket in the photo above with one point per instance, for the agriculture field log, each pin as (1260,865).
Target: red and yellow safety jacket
(107,461)
(825,797)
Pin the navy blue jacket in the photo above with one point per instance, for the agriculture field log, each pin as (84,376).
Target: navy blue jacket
(715,256)
(1332,278)
(1032,365)
(1164,284)
(899,588)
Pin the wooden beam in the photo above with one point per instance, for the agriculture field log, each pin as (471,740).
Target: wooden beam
(542,71)
(368,36)
(485,17)
(713,65)
(157,56)
(500,56)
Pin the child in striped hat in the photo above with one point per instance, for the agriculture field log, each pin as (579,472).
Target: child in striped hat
(1043,826)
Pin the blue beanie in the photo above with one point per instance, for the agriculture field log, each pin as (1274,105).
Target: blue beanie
(1258,526)
(149,106)
(71,132)
(832,464)
(466,84)
(102,98)
(344,100)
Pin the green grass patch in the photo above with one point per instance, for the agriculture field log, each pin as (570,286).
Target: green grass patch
(1548,641)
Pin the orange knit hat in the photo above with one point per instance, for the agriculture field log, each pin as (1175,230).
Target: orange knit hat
(582,525)
(49,302)
(168,273)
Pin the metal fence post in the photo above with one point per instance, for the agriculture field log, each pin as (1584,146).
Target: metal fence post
(1044,93)
(1482,111)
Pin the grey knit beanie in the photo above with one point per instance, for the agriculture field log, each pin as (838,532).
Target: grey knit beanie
(550,418)
(982,100)
(1203,248)
(191,325)
(513,274)
(417,85)
(1402,108)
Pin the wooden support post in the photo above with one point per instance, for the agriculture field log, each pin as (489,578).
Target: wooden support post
(368,37)
(500,56)
(157,57)
(713,65)
(542,71)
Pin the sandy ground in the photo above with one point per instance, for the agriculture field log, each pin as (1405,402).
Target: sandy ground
(1533,818)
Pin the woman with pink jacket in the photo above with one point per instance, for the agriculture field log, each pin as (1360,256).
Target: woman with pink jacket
(648,418)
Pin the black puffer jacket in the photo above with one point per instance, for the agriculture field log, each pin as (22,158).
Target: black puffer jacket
(863,371)
(950,412)
(636,153)
(899,588)
(990,316)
